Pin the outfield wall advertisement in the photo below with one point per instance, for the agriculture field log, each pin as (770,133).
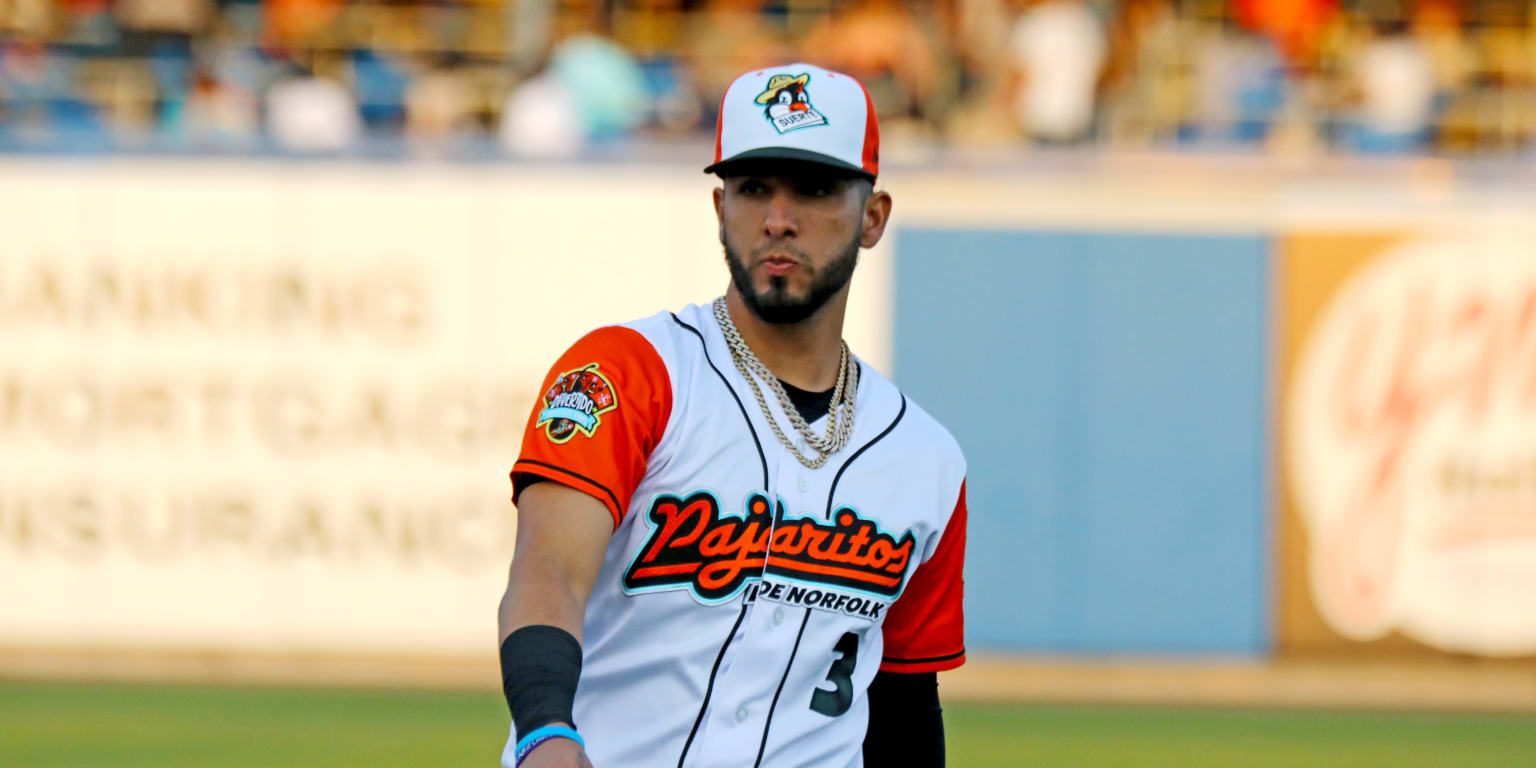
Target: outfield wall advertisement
(244,409)
(1409,443)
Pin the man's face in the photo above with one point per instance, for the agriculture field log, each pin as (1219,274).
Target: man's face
(792,236)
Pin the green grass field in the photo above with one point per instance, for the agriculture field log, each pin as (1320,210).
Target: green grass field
(121,726)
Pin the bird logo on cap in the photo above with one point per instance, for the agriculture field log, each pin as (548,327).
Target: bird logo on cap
(789,104)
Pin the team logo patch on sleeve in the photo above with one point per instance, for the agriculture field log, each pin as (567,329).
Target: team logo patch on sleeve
(575,403)
(789,104)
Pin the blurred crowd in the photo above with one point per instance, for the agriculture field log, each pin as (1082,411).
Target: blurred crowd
(557,78)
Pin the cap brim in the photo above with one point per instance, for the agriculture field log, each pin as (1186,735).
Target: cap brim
(756,156)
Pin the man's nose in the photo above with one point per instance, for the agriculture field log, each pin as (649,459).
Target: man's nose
(780,221)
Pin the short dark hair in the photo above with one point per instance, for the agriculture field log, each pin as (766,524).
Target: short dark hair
(866,188)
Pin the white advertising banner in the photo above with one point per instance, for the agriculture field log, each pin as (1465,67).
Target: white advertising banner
(271,408)
(1411,439)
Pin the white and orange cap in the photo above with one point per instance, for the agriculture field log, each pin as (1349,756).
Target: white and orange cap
(798,112)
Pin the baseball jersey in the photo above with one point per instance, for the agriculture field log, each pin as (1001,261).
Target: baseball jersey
(745,602)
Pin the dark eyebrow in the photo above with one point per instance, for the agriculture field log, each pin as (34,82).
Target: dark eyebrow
(795,180)
(818,182)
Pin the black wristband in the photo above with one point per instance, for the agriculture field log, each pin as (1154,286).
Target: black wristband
(540,666)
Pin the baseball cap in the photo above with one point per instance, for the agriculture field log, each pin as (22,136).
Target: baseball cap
(798,112)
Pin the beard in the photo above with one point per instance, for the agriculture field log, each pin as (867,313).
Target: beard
(777,306)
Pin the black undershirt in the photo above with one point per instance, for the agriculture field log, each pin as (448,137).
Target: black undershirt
(906,724)
(811,405)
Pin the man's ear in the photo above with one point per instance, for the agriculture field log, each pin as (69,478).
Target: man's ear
(719,195)
(877,213)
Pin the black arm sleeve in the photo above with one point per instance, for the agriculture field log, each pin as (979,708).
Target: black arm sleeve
(906,724)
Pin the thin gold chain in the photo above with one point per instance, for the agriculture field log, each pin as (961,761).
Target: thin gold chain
(839,422)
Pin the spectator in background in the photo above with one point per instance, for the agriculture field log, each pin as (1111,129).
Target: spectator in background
(289,24)
(1296,26)
(179,18)
(1396,89)
(1059,54)
(379,82)
(979,41)
(40,102)
(606,84)
(531,25)
(223,110)
(1437,26)
(218,114)
(592,91)
(1240,87)
(541,120)
(677,106)
(438,104)
(880,43)
(163,29)
(90,23)
(723,39)
(312,112)
(28,83)
(28,20)
(1143,93)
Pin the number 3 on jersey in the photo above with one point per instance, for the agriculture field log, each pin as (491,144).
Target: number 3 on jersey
(835,702)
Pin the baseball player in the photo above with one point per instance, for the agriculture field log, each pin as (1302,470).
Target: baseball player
(738,544)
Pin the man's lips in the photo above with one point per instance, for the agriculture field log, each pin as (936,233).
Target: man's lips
(779,265)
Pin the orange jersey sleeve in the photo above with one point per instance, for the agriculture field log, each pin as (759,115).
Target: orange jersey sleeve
(602,409)
(925,628)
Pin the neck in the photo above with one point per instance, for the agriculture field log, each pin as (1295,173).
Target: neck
(805,354)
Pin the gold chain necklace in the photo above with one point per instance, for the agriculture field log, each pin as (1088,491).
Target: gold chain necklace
(839,424)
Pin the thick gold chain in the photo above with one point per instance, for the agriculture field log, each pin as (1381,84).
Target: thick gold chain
(839,424)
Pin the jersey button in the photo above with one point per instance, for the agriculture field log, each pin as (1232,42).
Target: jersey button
(741,713)
(801,483)
(778,616)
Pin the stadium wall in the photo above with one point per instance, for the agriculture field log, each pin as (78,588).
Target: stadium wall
(255,408)
(1110,391)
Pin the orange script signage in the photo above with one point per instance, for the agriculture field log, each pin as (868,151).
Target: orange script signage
(1411,444)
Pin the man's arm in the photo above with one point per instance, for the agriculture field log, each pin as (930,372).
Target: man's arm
(562,534)
(589,467)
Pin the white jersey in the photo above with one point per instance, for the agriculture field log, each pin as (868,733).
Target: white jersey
(745,602)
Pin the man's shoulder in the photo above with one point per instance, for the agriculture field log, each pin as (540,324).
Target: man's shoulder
(651,326)
(665,333)
(918,428)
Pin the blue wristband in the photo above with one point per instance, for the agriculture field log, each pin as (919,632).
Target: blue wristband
(541,735)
